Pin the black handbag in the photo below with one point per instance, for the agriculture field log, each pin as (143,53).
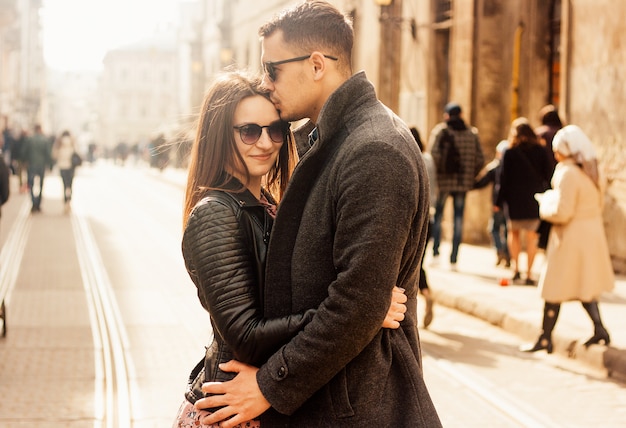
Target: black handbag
(543,230)
(76,160)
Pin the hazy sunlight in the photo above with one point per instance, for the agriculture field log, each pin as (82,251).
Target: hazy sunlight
(78,33)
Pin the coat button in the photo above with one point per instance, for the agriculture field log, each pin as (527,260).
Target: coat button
(281,372)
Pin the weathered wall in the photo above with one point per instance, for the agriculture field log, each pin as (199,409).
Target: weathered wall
(477,71)
(596,64)
(593,59)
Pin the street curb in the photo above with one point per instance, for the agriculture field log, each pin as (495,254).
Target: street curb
(608,359)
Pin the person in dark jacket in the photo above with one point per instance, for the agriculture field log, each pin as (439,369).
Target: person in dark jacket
(351,225)
(37,157)
(550,124)
(240,163)
(454,184)
(5,188)
(526,170)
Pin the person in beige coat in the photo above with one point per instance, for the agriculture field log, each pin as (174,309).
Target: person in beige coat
(578,264)
(62,151)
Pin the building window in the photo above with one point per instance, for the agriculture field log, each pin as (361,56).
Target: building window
(443,10)
(555,53)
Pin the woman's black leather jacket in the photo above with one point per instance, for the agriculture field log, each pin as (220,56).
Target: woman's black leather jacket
(224,247)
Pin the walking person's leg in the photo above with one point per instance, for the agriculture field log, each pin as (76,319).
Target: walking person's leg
(505,237)
(67,176)
(550,315)
(531,252)
(600,334)
(439,205)
(30,180)
(499,236)
(494,231)
(423,285)
(42,174)
(514,248)
(457,235)
(72,171)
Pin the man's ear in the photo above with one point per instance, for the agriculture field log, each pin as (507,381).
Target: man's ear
(318,62)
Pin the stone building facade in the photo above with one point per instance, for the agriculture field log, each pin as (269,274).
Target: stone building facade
(139,93)
(507,58)
(499,59)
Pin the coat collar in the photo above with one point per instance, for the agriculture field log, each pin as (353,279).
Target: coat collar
(346,103)
(244,197)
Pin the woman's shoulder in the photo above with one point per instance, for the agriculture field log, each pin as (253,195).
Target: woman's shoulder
(214,199)
(216,208)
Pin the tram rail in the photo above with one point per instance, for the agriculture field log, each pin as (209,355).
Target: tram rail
(10,261)
(112,385)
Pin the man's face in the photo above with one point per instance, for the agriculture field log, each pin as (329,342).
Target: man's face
(291,89)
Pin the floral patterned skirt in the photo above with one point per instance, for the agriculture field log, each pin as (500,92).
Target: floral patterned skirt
(189,417)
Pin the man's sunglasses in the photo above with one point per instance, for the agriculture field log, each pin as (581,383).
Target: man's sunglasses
(270,66)
(251,132)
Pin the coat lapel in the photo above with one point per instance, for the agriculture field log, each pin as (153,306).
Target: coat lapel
(278,283)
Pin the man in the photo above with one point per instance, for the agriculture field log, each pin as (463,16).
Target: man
(456,183)
(550,125)
(351,225)
(8,142)
(37,156)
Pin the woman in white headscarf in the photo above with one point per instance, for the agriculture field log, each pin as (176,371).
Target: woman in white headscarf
(578,264)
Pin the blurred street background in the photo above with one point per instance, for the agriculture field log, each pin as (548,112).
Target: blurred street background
(126,76)
(103,323)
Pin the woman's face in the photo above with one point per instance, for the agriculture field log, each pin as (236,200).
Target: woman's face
(259,154)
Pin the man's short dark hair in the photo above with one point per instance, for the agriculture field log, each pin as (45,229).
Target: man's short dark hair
(452,109)
(314,26)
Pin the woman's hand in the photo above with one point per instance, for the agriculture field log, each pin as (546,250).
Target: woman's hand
(396,311)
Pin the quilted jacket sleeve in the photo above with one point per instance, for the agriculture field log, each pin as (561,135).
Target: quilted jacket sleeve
(219,261)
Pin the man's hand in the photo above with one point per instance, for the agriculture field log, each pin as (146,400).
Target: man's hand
(241,397)
(396,311)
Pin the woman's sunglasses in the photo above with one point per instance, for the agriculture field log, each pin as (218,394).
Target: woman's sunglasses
(251,132)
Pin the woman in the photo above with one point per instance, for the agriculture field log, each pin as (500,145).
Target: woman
(525,171)
(240,162)
(578,264)
(62,151)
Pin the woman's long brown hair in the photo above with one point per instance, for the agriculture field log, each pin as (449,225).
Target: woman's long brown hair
(214,150)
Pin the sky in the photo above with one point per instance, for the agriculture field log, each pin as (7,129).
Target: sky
(78,33)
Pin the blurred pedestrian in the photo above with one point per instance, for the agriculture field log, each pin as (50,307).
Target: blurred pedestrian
(453,132)
(525,171)
(37,158)
(550,124)
(62,152)
(424,288)
(240,162)
(497,227)
(578,263)
(19,166)
(8,143)
(5,188)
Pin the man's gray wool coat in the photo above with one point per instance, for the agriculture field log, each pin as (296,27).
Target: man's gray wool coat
(351,225)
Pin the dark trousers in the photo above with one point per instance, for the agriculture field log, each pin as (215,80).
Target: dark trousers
(35,192)
(423,282)
(67,175)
